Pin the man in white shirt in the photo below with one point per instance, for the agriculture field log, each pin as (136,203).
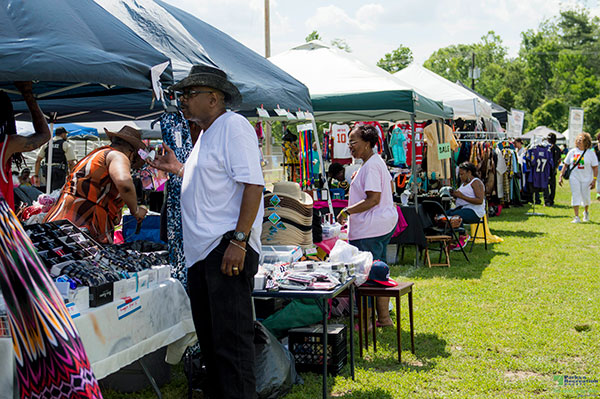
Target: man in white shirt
(221,212)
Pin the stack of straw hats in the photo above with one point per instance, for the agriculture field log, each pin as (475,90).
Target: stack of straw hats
(288,216)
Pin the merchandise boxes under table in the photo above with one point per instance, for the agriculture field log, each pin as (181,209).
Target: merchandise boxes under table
(322,298)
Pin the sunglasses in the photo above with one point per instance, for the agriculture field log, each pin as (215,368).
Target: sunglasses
(191,93)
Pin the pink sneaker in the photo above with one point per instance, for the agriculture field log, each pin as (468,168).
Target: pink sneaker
(462,242)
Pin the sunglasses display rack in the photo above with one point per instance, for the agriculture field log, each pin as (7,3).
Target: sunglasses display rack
(94,274)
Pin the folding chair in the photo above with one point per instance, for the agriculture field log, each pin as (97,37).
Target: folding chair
(433,208)
(481,220)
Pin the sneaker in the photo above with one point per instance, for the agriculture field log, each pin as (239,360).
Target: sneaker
(576,220)
(586,216)
(462,242)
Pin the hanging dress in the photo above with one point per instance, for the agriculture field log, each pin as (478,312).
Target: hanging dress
(50,358)
(176,134)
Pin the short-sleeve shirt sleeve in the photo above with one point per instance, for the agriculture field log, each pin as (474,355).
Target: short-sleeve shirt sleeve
(373,178)
(69,151)
(243,157)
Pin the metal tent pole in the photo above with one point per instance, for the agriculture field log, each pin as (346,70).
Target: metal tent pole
(49,159)
(413,171)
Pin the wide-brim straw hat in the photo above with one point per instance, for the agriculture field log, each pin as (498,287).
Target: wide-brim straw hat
(289,203)
(291,190)
(204,75)
(129,134)
(286,213)
(288,236)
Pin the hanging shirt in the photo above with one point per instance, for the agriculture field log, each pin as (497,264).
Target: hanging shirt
(380,134)
(583,172)
(341,150)
(434,164)
(419,127)
(541,164)
(398,144)
(224,158)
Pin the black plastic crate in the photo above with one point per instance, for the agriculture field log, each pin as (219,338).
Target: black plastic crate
(307,347)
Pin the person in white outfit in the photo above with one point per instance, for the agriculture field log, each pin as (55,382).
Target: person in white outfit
(583,163)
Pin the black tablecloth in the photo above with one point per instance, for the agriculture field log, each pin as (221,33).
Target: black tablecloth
(414,234)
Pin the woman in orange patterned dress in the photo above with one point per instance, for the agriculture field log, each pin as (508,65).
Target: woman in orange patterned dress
(100,184)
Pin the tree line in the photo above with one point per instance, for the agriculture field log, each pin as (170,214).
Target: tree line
(558,66)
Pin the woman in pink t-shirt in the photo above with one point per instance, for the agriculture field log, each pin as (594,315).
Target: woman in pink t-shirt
(371,211)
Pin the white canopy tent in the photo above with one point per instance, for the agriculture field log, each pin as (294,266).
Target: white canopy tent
(466,104)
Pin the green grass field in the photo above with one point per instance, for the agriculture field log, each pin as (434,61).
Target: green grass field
(502,326)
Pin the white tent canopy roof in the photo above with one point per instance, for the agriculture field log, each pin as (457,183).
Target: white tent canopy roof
(466,105)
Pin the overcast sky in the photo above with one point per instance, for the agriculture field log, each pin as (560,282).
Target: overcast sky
(373,28)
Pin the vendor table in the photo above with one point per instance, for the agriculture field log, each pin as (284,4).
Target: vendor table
(123,331)
(322,296)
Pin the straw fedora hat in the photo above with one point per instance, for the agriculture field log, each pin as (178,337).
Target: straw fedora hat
(292,190)
(129,134)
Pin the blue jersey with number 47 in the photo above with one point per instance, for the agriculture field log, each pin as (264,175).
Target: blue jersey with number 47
(541,164)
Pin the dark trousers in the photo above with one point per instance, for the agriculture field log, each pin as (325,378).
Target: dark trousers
(550,191)
(59,177)
(222,312)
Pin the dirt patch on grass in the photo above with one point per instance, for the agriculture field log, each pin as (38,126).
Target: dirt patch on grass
(522,375)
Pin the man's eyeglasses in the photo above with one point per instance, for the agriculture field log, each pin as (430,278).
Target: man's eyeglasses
(191,93)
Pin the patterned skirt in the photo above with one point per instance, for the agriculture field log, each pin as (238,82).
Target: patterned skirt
(50,358)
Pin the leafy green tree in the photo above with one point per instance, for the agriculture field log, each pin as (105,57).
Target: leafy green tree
(341,44)
(505,98)
(591,119)
(396,60)
(455,61)
(552,113)
(314,35)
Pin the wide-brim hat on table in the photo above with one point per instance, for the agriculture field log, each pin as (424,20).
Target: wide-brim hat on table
(288,203)
(291,235)
(290,189)
(129,134)
(286,213)
(204,75)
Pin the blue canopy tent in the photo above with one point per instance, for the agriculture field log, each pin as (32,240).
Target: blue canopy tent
(78,132)
(187,40)
(78,55)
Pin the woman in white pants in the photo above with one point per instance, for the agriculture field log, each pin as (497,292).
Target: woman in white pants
(584,164)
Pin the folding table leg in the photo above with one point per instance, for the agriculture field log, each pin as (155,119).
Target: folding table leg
(324,348)
(352,330)
(399,329)
(410,316)
(374,324)
(150,378)
(360,325)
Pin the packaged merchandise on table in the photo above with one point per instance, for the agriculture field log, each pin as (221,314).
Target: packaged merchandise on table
(304,275)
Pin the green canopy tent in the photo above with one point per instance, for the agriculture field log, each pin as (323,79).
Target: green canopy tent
(342,88)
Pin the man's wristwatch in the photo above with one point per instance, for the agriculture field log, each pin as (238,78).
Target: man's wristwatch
(240,236)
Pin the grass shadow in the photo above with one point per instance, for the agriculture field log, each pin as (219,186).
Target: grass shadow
(518,233)
(366,393)
(460,268)
(428,348)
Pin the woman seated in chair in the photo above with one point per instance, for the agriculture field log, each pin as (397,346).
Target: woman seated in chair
(470,196)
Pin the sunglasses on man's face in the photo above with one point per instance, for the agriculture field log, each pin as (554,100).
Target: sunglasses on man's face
(186,95)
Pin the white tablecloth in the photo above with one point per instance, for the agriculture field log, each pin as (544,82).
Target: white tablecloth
(159,316)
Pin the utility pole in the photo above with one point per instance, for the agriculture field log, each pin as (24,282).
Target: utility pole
(267,30)
(472,69)
(267,125)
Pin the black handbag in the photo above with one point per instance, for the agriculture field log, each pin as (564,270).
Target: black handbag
(570,169)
